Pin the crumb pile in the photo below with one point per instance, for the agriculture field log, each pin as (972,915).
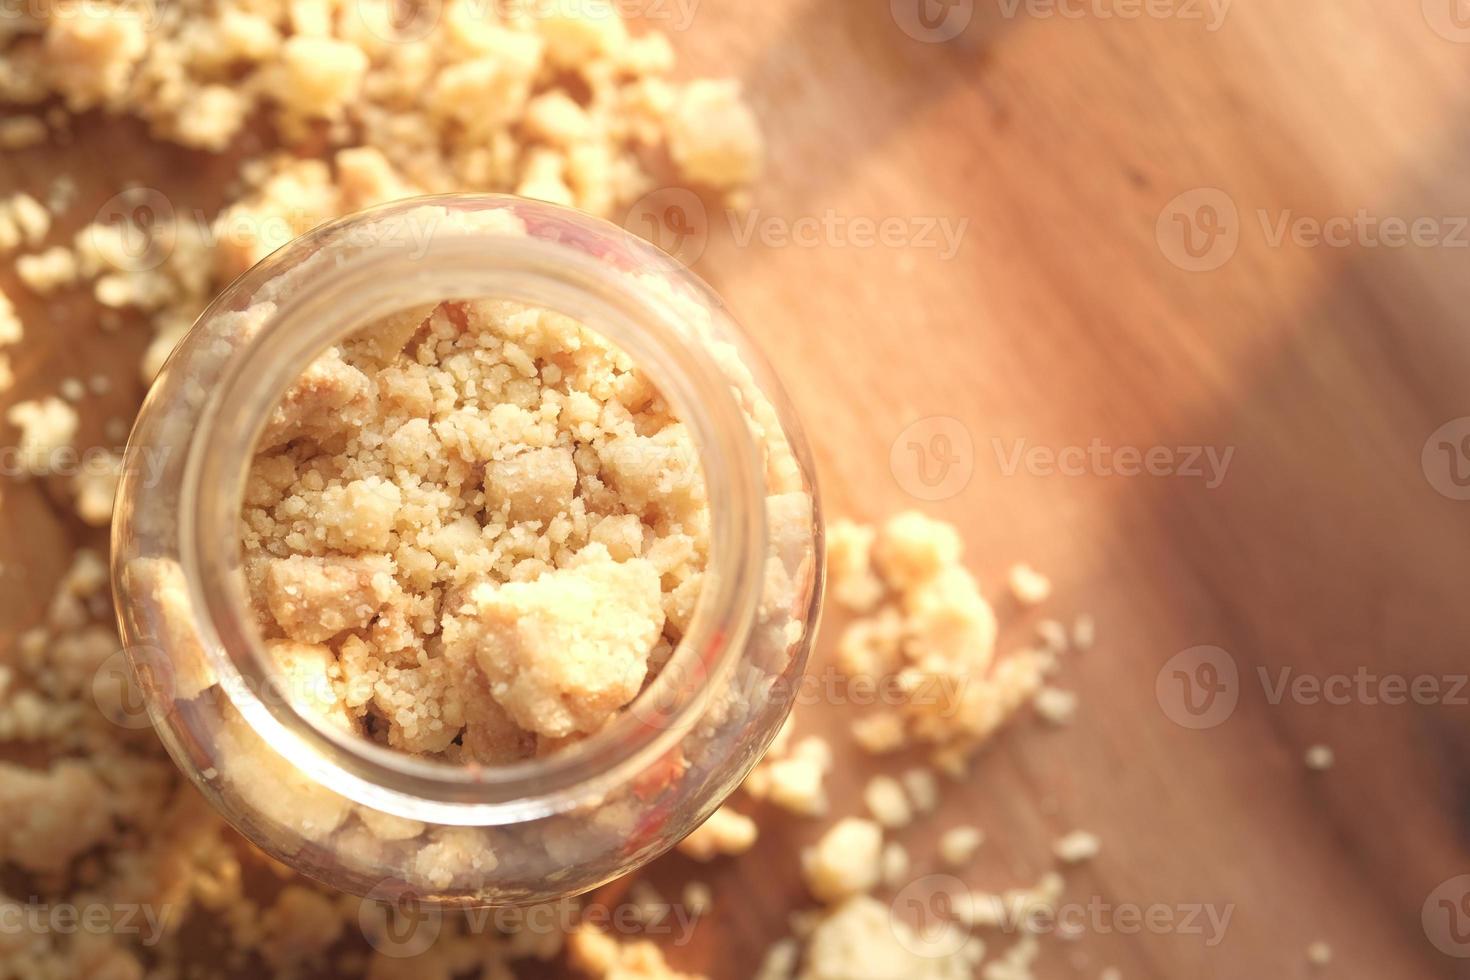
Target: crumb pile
(358,105)
(484,522)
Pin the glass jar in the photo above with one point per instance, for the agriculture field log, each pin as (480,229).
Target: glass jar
(376,821)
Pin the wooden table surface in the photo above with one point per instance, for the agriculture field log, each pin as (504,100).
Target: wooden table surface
(1136,279)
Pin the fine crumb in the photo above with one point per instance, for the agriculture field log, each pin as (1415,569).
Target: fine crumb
(46,427)
(724,833)
(1084,632)
(593,953)
(1053,635)
(698,898)
(887,803)
(1055,705)
(96,486)
(862,938)
(851,582)
(879,732)
(795,782)
(895,864)
(1320,758)
(1030,587)
(848,860)
(1076,847)
(779,962)
(1319,954)
(21,132)
(45,272)
(923,789)
(958,844)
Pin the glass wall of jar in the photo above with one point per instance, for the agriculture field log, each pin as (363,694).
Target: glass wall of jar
(375,820)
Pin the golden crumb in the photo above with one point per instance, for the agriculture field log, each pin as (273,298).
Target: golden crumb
(1076,847)
(848,860)
(724,833)
(958,844)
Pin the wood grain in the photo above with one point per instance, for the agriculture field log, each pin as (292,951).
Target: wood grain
(1061,321)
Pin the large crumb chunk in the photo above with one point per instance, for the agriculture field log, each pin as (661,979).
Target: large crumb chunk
(847,861)
(564,652)
(46,427)
(862,940)
(713,137)
(50,816)
(532,486)
(314,599)
(724,833)
(594,953)
(328,397)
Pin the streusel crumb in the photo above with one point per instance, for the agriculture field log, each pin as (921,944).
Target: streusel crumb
(489,516)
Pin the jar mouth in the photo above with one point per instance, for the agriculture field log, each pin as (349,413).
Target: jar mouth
(340,293)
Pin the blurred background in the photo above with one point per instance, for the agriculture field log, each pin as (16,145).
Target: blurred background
(1166,298)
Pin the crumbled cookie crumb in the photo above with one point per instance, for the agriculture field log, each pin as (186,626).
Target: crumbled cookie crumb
(595,954)
(896,864)
(1030,587)
(1055,705)
(779,961)
(489,515)
(724,833)
(1053,635)
(923,789)
(1076,847)
(958,844)
(698,898)
(45,272)
(795,781)
(879,732)
(862,938)
(932,635)
(22,132)
(1320,758)
(46,427)
(848,860)
(1084,632)
(887,802)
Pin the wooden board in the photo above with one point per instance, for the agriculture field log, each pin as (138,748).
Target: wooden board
(1066,318)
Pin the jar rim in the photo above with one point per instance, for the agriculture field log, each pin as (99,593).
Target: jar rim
(349,291)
